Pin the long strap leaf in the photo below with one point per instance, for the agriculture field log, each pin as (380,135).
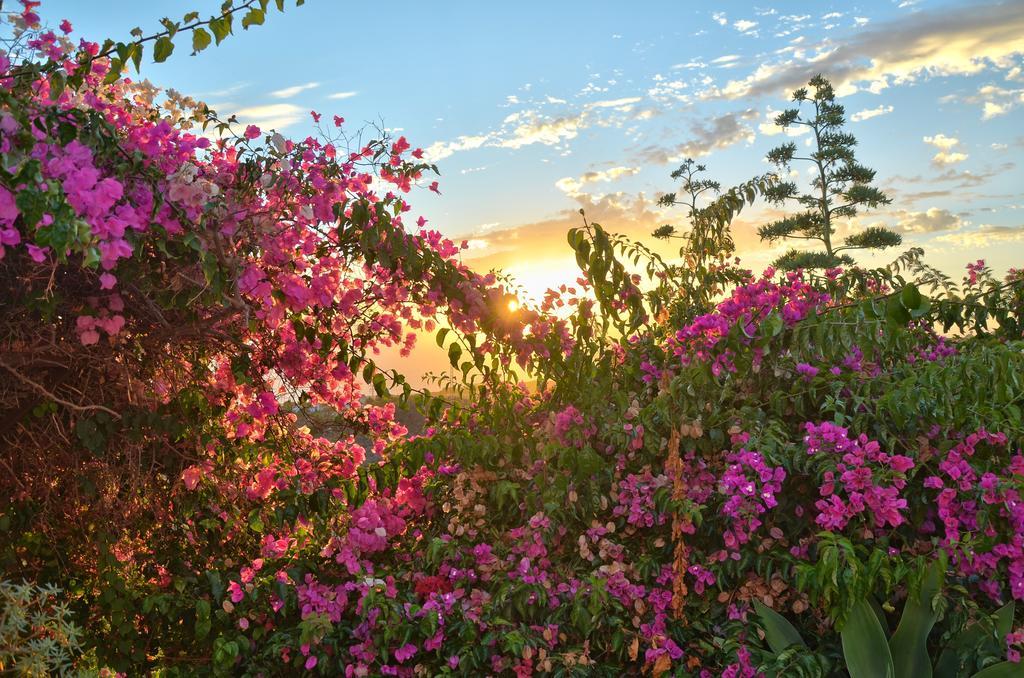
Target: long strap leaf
(865,649)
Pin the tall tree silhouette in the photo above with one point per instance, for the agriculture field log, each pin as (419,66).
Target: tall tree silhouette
(841,186)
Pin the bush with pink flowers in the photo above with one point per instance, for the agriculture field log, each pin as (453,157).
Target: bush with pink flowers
(628,478)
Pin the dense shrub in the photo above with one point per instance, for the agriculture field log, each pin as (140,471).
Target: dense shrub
(618,477)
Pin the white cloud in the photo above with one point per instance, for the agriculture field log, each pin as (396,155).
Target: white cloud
(289,92)
(539,130)
(945,145)
(720,18)
(993,110)
(984,235)
(689,65)
(573,186)
(940,42)
(869,113)
(270,116)
(342,95)
(443,149)
(931,220)
(614,103)
(744,25)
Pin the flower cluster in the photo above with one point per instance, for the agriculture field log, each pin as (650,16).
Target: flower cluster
(750,487)
(862,479)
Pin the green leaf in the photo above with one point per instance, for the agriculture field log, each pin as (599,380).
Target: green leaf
(162,49)
(220,26)
(779,633)
(202,618)
(136,55)
(57,82)
(864,647)
(454,353)
(1002,670)
(200,39)
(441,335)
(972,639)
(911,297)
(909,644)
(1004,620)
(896,313)
(253,18)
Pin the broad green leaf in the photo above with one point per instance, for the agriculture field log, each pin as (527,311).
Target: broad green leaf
(220,27)
(162,49)
(202,619)
(911,297)
(879,612)
(200,39)
(909,644)
(253,18)
(441,335)
(779,633)
(1004,620)
(864,647)
(454,353)
(1002,670)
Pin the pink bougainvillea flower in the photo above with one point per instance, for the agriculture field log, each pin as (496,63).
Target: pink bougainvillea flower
(191,476)
(38,254)
(405,652)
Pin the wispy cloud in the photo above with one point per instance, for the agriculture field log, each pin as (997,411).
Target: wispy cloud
(726,59)
(720,132)
(270,116)
(572,186)
(444,149)
(289,92)
(983,235)
(531,126)
(744,25)
(940,42)
(342,95)
(869,113)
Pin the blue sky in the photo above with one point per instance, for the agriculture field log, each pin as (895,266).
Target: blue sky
(533,110)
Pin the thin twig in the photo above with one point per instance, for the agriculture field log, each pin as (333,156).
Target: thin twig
(46,392)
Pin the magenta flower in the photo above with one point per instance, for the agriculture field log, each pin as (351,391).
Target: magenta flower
(405,652)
